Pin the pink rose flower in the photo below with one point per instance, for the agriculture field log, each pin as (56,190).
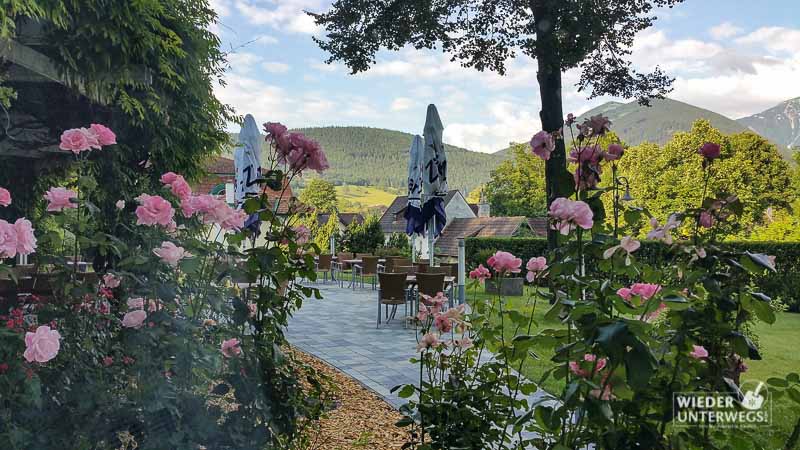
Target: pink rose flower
(709,150)
(698,352)
(171,253)
(76,140)
(120,204)
(575,367)
(253,309)
(300,153)
(645,290)
(168,178)
(430,340)
(614,152)
(568,214)
(442,323)
(136,303)
(103,134)
(230,348)
(590,154)
(8,240)
(663,233)
(504,262)
(535,266)
(5,197)
(625,293)
(181,188)
(153,210)
(60,198)
(480,273)
(570,119)
(542,144)
(234,220)
(706,219)
(26,240)
(465,342)
(195,204)
(627,244)
(134,319)
(108,361)
(41,346)
(274,130)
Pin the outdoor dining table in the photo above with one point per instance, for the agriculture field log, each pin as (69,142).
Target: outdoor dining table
(353,273)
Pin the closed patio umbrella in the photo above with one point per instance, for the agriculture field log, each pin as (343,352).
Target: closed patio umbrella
(413,214)
(247,161)
(434,178)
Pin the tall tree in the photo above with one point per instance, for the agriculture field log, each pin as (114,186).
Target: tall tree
(321,195)
(594,35)
(517,185)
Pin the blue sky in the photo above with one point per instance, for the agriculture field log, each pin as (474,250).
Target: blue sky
(735,57)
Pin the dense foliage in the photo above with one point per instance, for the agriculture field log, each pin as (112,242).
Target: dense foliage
(156,63)
(371,157)
(320,195)
(364,237)
(516,187)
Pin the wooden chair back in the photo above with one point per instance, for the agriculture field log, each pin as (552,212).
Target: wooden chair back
(393,287)
(369,265)
(430,283)
(324,262)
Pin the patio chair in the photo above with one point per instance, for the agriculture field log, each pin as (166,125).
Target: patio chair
(441,269)
(390,263)
(429,284)
(392,291)
(369,267)
(340,266)
(325,265)
(408,270)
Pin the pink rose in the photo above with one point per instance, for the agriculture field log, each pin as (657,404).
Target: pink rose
(569,214)
(168,178)
(108,361)
(614,152)
(591,154)
(181,188)
(302,234)
(430,340)
(41,346)
(628,244)
(153,210)
(274,130)
(60,198)
(663,233)
(171,253)
(698,352)
(706,219)
(103,135)
(300,153)
(197,204)
(625,293)
(253,309)
(111,281)
(575,367)
(645,290)
(442,323)
(120,204)
(504,262)
(234,220)
(230,348)
(134,319)
(136,303)
(26,240)
(465,342)
(709,150)
(8,240)
(76,140)
(570,119)
(542,144)
(5,197)
(535,266)
(480,273)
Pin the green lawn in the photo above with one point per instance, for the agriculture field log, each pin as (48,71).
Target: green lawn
(362,198)
(779,345)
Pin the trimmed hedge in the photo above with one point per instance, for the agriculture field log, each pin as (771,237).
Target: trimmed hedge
(785,284)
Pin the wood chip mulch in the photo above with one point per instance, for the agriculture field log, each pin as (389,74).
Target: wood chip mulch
(361,419)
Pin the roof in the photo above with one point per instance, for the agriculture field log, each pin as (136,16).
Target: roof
(447,243)
(393,219)
(222,170)
(538,225)
(474,207)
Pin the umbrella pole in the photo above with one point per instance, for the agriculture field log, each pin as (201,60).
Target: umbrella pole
(431,233)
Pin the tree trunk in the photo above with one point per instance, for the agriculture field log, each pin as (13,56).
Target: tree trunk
(552,114)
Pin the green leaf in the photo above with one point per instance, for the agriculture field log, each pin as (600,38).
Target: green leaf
(777,382)
(406,391)
(761,260)
(794,394)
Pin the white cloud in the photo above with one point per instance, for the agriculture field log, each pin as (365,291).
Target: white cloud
(265,39)
(725,30)
(252,96)
(221,7)
(402,104)
(287,15)
(243,62)
(509,123)
(775,39)
(275,67)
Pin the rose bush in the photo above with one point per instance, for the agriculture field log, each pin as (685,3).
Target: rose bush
(162,346)
(632,333)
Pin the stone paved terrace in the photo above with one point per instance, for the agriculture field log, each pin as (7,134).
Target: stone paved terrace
(340,329)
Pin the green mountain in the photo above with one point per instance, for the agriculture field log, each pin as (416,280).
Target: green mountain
(635,124)
(780,124)
(376,157)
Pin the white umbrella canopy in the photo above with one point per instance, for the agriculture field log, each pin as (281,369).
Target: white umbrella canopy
(247,159)
(413,214)
(434,175)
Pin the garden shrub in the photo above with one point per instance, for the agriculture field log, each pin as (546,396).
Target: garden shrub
(783,284)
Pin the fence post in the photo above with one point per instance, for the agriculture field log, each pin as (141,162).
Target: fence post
(462,269)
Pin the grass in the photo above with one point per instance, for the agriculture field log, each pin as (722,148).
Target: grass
(778,345)
(363,198)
